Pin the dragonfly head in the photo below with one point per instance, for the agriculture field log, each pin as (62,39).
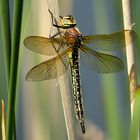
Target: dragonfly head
(68,22)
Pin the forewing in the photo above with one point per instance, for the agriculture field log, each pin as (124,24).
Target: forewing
(49,69)
(109,42)
(45,46)
(100,62)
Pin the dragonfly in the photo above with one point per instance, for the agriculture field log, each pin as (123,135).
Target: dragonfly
(69,46)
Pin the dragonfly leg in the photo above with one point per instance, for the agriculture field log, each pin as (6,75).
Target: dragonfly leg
(52,36)
(60,16)
(54,21)
(52,14)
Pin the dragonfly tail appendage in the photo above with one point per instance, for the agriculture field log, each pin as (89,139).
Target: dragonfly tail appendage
(83,127)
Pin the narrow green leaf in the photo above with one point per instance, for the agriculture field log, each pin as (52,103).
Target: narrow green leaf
(5,22)
(17,17)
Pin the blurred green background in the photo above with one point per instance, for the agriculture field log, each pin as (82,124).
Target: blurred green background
(39,109)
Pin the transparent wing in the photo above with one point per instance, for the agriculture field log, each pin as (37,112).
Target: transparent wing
(43,45)
(109,42)
(49,69)
(100,62)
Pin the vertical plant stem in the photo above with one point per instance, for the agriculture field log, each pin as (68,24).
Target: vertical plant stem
(127,17)
(128,22)
(67,107)
(113,119)
(136,117)
(17,17)
(3,122)
(5,22)
(64,87)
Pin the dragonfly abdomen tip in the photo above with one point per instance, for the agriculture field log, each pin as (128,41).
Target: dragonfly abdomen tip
(82,127)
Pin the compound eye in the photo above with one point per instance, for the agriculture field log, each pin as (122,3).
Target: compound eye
(70,17)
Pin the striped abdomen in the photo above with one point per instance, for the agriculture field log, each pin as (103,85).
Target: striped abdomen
(73,56)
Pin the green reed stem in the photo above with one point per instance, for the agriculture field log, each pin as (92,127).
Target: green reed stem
(134,130)
(5,22)
(17,17)
(113,117)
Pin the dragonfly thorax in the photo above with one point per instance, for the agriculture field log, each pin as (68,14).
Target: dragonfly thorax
(73,37)
(67,22)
